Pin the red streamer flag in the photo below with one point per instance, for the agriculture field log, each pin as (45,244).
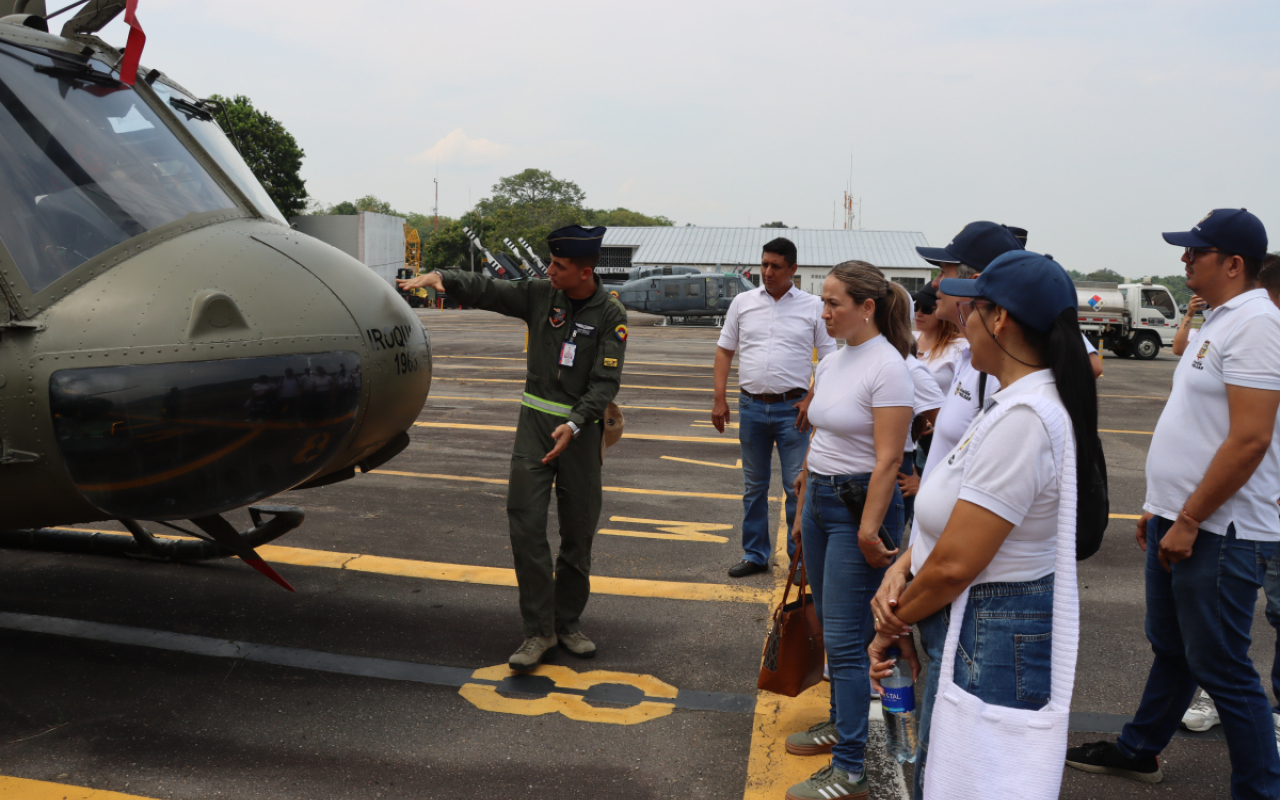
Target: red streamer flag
(132,48)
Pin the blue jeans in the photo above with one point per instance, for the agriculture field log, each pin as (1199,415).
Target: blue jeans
(1271,588)
(1004,653)
(1198,621)
(908,503)
(760,426)
(843,584)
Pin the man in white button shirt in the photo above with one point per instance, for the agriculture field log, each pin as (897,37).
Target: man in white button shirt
(774,330)
(1211,522)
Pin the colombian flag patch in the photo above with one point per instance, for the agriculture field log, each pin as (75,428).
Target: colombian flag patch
(621,333)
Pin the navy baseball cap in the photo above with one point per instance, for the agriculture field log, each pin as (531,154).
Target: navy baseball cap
(977,245)
(575,241)
(1035,289)
(1232,230)
(1018,233)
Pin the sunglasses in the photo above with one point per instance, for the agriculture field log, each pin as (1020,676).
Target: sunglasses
(965,307)
(1193,253)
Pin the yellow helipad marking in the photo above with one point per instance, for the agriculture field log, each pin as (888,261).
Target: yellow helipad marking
(736,465)
(517,400)
(24,789)
(489,576)
(622,489)
(573,706)
(629,361)
(651,437)
(670,529)
(628,386)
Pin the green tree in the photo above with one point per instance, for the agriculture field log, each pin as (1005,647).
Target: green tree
(626,218)
(531,204)
(271,152)
(445,248)
(774,225)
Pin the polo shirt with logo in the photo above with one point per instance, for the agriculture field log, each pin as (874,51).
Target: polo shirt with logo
(1239,345)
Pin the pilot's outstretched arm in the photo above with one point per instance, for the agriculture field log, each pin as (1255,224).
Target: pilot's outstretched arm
(512,298)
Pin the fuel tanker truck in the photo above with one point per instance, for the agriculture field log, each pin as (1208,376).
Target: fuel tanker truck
(1129,319)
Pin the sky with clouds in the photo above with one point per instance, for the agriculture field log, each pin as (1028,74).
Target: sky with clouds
(1094,124)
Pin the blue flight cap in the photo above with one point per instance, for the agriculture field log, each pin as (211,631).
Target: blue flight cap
(977,246)
(1232,230)
(1035,289)
(1018,233)
(575,241)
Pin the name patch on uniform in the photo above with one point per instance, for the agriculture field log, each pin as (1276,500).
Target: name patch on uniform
(585,330)
(611,362)
(621,333)
(557,317)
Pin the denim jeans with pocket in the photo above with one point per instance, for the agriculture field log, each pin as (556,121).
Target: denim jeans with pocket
(760,426)
(1004,653)
(1271,588)
(843,584)
(1199,616)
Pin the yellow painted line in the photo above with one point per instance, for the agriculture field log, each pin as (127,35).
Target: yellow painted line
(492,576)
(1143,433)
(625,371)
(574,707)
(670,529)
(652,437)
(629,361)
(1125,516)
(737,465)
(24,789)
(621,489)
(1138,396)
(628,386)
(770,769)
(517,400)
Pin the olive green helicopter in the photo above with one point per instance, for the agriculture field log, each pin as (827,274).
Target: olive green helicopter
(170,349)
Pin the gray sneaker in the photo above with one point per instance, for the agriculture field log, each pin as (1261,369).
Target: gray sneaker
(578,644)
(814,742)
(531,653)
(830,783)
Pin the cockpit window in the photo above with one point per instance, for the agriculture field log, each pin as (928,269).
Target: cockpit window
(200,123)
(85,165)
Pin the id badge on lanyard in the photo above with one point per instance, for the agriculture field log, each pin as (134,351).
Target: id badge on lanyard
(567,351)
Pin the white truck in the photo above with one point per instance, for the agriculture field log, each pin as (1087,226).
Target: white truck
(1129,319)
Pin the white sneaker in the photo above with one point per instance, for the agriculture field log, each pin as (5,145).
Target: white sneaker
(1203,714)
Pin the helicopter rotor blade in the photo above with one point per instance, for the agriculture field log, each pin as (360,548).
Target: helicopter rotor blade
(226,535)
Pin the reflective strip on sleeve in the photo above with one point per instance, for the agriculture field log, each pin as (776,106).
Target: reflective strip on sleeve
(546,406)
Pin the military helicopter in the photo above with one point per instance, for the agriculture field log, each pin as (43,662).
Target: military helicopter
(683,296)
(169,348)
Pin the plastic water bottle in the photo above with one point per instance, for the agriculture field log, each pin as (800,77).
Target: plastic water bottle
(899,705)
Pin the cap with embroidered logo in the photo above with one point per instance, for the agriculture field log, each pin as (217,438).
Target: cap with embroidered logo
(976,245)
(1231,230)
(575,241)
(1034,288)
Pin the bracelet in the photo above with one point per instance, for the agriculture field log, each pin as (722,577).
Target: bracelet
(1188,516)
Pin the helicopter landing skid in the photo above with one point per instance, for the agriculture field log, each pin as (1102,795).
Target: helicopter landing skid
(145,545)
(690,322)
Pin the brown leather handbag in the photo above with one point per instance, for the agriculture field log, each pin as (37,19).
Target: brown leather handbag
(793,652)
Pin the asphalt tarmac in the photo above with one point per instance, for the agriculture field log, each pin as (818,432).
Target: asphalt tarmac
(384,675)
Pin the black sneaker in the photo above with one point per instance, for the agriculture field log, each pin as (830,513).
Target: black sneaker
(744,568)
(1105,758)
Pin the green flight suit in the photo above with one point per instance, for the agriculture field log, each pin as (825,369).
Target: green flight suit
(552,602)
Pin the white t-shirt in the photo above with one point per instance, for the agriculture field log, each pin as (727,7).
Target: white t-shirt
(928,395)
(944,365)
(959,408)
(1088,346)
(846,387)
(1239,344)
(775,339)
(1013,475)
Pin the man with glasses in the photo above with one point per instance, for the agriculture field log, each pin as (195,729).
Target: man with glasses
(1210,524)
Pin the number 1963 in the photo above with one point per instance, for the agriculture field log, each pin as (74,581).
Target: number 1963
(405,364)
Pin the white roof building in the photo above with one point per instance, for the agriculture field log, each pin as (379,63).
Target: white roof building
(818,250)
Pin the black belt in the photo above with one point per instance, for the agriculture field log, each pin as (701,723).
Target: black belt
(793,394)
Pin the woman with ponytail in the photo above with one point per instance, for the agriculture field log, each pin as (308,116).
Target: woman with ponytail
(850,504)
(996,523)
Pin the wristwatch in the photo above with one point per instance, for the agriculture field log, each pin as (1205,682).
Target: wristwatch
(573,426)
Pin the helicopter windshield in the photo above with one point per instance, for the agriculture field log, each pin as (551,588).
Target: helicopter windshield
(199,122)
(85,165)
